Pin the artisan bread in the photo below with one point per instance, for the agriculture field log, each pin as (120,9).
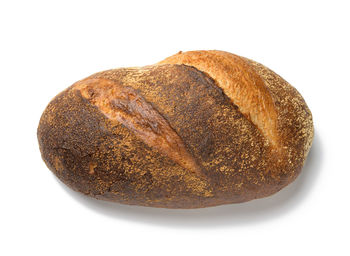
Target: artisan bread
(198,129)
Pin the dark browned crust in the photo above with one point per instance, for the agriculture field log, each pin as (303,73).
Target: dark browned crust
(103,159)
(125,105)
(100,157)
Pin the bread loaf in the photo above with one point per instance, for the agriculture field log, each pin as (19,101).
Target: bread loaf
(198,129)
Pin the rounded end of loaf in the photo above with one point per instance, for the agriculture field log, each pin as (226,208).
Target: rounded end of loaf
(274,106)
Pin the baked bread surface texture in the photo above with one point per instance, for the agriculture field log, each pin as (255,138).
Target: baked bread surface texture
(198,129)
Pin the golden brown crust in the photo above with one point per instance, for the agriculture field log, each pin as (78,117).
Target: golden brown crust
(98,137)
(295,125)
(240,83)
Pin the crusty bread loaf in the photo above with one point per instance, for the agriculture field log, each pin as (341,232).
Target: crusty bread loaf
(198,129)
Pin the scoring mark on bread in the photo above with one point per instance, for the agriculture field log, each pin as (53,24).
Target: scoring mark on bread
(240,83)
(125,105)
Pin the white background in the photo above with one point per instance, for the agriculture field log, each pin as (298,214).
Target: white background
(46,46)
